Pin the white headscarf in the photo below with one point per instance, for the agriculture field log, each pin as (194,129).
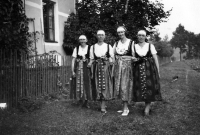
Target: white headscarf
(119,29)
(82,37)
(101,32)
(142,32)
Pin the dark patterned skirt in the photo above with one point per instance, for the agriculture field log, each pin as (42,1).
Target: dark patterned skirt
(146,81)
(102,85)
(81,84)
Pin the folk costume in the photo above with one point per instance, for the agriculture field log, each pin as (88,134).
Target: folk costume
(146,78)
(101,72)
(123,71)
(81,84)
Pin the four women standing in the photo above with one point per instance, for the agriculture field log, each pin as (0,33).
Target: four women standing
(135,71)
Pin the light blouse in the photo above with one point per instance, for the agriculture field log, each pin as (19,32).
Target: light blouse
(81,51)
(122,47)
(142,51)
(100,50)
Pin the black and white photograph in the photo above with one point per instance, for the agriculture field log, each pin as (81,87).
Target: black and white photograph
(99,67)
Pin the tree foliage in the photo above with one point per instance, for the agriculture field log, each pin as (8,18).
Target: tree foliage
(163,46)
(187,42)
(179,38)
(108,15)
(164,49)
(193,45)
(13,25)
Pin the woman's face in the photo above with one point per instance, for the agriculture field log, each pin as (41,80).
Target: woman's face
(141,37)
(82,41)
(121,34)
(100,37)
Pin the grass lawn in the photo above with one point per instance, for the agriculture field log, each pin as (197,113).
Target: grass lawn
(178,114)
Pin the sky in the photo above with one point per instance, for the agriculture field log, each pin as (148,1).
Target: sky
(185,12)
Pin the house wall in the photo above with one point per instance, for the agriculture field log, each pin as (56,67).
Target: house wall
(63,8)
(35,1)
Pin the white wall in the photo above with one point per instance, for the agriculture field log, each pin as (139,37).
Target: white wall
(63,8)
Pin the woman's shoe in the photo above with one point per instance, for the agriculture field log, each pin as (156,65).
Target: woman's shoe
(147,109)
(147,112)
(86,106)
(120,111)
(103,110)
(125,112)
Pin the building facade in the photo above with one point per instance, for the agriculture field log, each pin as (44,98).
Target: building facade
(48,17)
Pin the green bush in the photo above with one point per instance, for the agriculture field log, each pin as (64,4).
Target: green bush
(13,26)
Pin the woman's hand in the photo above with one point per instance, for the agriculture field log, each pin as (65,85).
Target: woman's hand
(89,64)
(134,59)
(110,61)
(73,74)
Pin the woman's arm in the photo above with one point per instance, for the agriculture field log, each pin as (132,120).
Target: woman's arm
(114,52)
(74,55)
(133,52)
(90,63)
(111,52)
(91,57)
(73,62)
(155,57)
(157,63)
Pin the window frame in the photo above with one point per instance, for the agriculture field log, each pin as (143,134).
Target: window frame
(46,19)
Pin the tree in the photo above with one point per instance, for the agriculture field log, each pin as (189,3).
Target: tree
(191,43)
(166,38)
(155,37)
(108,15)
(126,7)
(179,39)
(13,26)
(163,46)
(197,45)
(164,49)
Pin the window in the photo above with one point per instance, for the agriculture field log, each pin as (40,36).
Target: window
(48,17)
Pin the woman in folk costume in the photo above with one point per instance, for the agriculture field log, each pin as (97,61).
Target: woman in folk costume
(146,73)
(81,87)
(101,55)
(122,70)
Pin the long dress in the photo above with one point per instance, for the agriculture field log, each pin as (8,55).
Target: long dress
(146,79)
(123,71)
(81,84)
(101,72)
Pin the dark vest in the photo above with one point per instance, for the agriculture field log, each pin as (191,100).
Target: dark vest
(87,56)
(147,56)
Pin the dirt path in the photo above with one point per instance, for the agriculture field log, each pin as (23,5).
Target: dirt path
(179,113)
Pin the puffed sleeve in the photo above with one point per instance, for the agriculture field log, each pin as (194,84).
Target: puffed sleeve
(153,49)
(91,52)
(74,54)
